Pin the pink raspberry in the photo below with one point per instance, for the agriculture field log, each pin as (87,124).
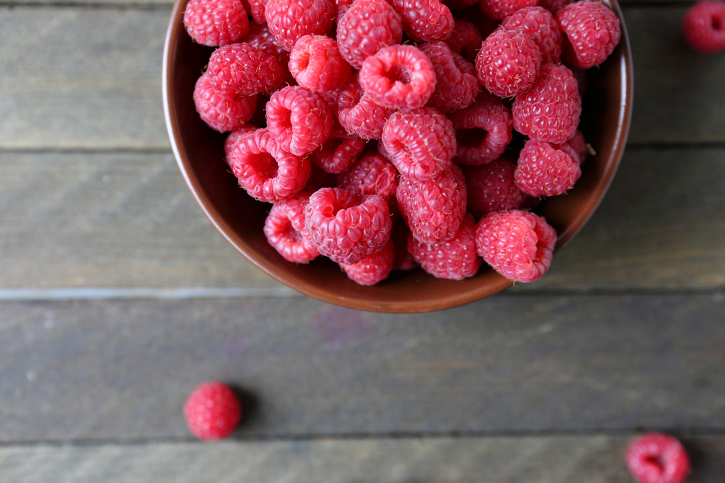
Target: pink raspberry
(219,113)
(399,77)
(233,137)
(545,171)
(704,26)
(581,79)
(266,171)
(425,20)
(285,229)
(371,25)
(259,36)
(592,30)
(357,112)
(345,227)
(550,110)
(499,9)
(216,22)
(212,411)
(658,458)
(422,142)
(508,63)
(492,188)
(554,6)
(576,147)
(243,70)
(482,131)
(338,154)
(433,209)
(288,20)
(298,119)
(372,174)
(465,40)
(256,9)
(456,82)
(517,244)
(316,63)
(453,259)
(539,24)
(373,268)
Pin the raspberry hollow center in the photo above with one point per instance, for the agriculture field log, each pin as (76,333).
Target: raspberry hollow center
(718,23)
(264,165)
(471,137)
(398,73)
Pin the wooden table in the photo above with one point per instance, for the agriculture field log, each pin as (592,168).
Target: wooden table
(118,297)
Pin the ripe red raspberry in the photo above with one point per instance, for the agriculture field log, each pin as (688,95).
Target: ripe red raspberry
(233,137)
(658,458)
(285,229)
(492,188)
(539,24)
(465,40)
(259,36)
(433,209)
(266,171)
(499,9)
(421,142)
(508,63)
(338,154)
(454,259)
(482,131)
(298,119)
(425,20)
(399,77)
(554,6)
(357,112)
(456,82)
(576,147)
(256,9)
(704,26)
(219,113)
(581,79)
(517,244)
(545,171)
(288,20)
(373,268)
(212,411)
(243,70)
(550,110)
(216,22)
(370,175)
(371,25)
(592,30)
(316,63)
(345,227)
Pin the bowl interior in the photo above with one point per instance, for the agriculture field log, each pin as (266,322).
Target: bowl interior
(200,155)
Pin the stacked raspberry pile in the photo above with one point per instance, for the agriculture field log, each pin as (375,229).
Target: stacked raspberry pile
(387,117)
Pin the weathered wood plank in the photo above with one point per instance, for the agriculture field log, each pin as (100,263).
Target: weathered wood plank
(516,364)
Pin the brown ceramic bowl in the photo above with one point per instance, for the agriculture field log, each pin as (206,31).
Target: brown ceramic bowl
(200,154)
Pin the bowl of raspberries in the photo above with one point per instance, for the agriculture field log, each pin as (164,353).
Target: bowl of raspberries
(398,155)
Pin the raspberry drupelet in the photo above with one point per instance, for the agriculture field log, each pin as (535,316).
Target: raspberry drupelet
(539,24)
(338,154)
(219,113)
(298,119)
(371,25)
(285,229)
(216,22)
(212,411)
(704,26)
(658,458)
(482,131)
(288,20)
(374,268)
(465,40)
(492,188)
(372,174)
(456,81)
(256,9)
(357,112)
(316,63)
(243,70)
(592,31)
(545,171)
(508,63)
(425,20)
(499,9)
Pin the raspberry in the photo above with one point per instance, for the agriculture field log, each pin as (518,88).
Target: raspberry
(482,131)
(465,40)
(358,114)
(554,6)
(243,70)
(219,113)
(454,259)
(517,244)
(433,209)
(539,24)
(422,142)
(499,9)
(425,20)
(545,171)
(592,30)
(338,154)
(256,9)
(658,458)
(704,26)
(373,268)
(316,63)
(576,147)
(371,25)
(285,230)
(299,120)
(456,81)
(216,22)
(371,175)
(259,36)
(492,188)
(212,411)
(288,20)
(267,172)
(233,137)
(550,111)
(346,228)
(399,77)
(581,79)
(508,63)
(403,259)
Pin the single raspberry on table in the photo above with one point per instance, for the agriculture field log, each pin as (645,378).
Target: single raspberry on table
(554,6)
(288,20)
(517,244)
(482,131)
(256,9)
(592,31)
(508,63)
(425,20)
(233,137)
(216,22)
(220,113)
(243,70)
(499,9)
(539,24)
(285,229)
(704,26)
(492,188)
(545,171)
(357,112)
(373,268)
(422,142)
(456,82)
(345,227)
(212,411)
(371,25)
(465,40)
(298,119)
(372,174)
(399,77)
(550,110)
(338,154)
(658,458)
(316,63)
